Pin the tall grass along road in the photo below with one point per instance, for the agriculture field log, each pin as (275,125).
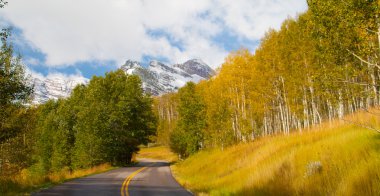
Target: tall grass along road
(148,177)
(333,159)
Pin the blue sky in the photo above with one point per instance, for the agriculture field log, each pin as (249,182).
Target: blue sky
(90,37)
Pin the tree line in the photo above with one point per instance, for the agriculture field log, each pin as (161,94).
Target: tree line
(319,66)
(104,121)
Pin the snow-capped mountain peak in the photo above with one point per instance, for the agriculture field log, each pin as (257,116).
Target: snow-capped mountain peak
(159,78)
(131,64)
(198,67)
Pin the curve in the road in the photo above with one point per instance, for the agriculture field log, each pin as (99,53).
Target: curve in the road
(156,179)
(148,177)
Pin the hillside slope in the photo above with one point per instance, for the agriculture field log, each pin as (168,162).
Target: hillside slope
(336,159)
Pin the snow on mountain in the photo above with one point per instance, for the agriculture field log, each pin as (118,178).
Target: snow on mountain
(54,86)
(159,78)
(196,67)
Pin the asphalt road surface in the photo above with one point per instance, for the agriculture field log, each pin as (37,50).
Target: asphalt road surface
(148,177)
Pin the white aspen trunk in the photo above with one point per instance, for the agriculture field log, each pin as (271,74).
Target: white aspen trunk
(279,124)
(252,129)
(282,118)
(288,118)
(275,120)
(349,105)
(243,99)
(265,124)
(340,105)
(316,116)
(377,100)
(168,111)
(286,107)
(329,110)
(234,128)
(354,106)
(233,123)
(237,116)
(238,132)
(299,126)
(368,100)
(305,110)
(373,82)
(361,104)
(252,121)
(243,106)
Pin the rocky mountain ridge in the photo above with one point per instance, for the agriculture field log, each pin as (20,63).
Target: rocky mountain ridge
(158,78)
(54,87)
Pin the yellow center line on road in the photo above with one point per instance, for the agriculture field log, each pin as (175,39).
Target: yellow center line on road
(124,186)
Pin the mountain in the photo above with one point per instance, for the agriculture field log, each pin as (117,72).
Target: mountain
(197,67)
(159,78)
(54,87)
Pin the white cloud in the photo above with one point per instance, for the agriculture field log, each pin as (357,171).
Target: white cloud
(70,31)
(252,18)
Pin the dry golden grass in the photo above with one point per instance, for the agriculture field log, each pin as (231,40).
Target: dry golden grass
(26,181)
(335,158)
(158,152)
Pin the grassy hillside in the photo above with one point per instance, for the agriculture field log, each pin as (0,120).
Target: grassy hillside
(335,159)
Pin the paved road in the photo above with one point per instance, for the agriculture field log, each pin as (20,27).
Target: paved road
(148,177)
